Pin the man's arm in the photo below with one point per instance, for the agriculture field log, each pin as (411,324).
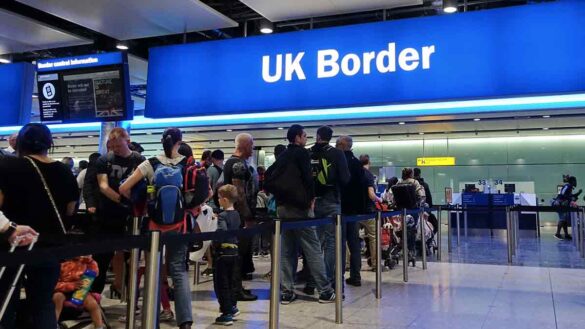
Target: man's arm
(342,168)
(106,189)
(242,204)
(304,163)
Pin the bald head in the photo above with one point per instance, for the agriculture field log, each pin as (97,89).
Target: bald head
(344,143)
(244,145)
(12,140)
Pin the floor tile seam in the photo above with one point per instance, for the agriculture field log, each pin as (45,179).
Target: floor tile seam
(498,290)
(552,295)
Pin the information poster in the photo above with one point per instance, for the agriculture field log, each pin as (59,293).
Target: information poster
(49,97)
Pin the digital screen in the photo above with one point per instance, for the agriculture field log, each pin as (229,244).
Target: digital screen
(94,93)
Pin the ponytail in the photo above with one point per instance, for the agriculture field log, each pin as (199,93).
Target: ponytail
(168,146)
(171,136)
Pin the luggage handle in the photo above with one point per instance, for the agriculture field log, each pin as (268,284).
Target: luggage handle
(8,296)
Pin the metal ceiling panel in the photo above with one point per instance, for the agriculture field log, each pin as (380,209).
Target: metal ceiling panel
(281,10)
(20,34)
(133,19)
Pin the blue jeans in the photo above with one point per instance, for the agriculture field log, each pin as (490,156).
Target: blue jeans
(325,208)
(177,257)
(307,239)
(40,284)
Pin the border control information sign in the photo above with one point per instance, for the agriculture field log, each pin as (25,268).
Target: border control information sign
(516,51)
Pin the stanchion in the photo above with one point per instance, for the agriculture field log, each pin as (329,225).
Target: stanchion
(513,231)
(574,228)
(133,278)
(582,230)
(439,234)
(339,266)
(404,248)
(537,220)
(275,278)
(378,255)
(449,233)
(509,234)
(458,226)
(151,283)
(423,226)
(465,221)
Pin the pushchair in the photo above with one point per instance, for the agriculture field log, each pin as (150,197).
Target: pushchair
(430,230)
(392,246)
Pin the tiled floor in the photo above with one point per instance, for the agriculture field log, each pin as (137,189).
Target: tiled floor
(547,291)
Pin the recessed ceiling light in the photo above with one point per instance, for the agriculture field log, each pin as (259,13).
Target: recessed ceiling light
(90,136)
(476,119)
(122,46)
(148,133)
(401,123)
(221,141)
(4,61)
(266,26)
(546,116)
(421,133)
(280,128)
(228,130)
(544,128)
(450,6)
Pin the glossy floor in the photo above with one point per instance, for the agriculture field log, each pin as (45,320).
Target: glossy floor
(447,295)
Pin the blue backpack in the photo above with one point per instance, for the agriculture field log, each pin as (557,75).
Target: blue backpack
(167,208)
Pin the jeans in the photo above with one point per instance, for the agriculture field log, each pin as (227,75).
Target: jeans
(325,208)
(39,286)
(225,282)
(177,257)
(307,239)
(355,257)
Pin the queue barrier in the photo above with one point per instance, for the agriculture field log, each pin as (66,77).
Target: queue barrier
(79,245)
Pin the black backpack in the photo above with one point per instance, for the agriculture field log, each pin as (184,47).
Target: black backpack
(405,196)
(322,170)
(283,180)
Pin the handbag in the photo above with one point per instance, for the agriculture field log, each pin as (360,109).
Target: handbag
(48,193)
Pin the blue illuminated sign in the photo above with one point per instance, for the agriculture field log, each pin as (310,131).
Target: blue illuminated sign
(16,89)
(77,62)
(531,50)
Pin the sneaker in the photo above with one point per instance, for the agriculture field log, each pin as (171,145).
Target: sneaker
(264,254)
(568,237)
(558,236)
(287,297)
(354,282)
(327,297)
(235,311)
(224,320)
(207,272)
(309,290)
(166,316)
(255,255)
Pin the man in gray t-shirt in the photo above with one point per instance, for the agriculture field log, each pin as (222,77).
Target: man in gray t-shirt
(214,171)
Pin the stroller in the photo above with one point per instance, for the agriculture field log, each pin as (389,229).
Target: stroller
(392,240)
(430,231)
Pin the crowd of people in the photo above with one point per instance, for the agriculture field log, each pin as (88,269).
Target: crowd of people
(43,196)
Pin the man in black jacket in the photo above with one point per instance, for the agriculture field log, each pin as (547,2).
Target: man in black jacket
(330,174)
(353,202)
(429,197)
(293,168)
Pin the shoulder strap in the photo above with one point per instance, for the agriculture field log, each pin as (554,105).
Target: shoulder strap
(154,162)
(49,194)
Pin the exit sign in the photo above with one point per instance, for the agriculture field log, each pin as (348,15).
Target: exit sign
(435,161)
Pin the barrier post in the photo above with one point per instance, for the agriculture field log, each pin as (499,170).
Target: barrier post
(449,233)
(339,266)
(151,283)
(579,233)
(439,234)
(133,278)
(582,230)
(465,221)
(423,244)
(458,226)
(537,220)
(404,248)
(574,228)
(513,230)
(378,255)
(275,278)
(509,234)
(516,229)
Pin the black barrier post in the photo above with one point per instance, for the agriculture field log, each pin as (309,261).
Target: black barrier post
(449,233)
(378,255)
(465,221)
(458,211)
(151,283)
(509,234)
(423,224)
(339,266)
(275,278)
(404,248)
(439,234)
(133,279)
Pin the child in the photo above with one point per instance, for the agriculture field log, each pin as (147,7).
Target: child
(70,280)
(226,255)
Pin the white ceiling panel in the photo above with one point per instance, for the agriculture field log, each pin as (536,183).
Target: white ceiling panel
(281,10)
(133,19)
(138,68)
(19,34)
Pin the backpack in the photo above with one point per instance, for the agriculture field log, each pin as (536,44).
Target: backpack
(195,184)
(405,196)
(168,207)
(283,181)
(322,170)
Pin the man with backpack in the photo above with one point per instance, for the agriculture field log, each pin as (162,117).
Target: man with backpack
(330,174)
(290,180)
(111,214)
(239,173)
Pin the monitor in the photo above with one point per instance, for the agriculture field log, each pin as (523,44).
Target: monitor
(510,188)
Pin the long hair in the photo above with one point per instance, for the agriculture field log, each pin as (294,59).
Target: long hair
(170,137)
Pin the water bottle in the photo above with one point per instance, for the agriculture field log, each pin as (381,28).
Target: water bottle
(86,281)
(151,192)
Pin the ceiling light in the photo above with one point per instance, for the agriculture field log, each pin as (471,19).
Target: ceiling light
(280,128)
(546,116)
(450,6)
(544,128)
(421,133)
(228,130)
(90,136)
(4,61)
(122,46)
(401,123)
(266,26)
(35,96)
(476,119)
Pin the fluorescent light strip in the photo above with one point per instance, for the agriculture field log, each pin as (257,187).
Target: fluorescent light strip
(364,112)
